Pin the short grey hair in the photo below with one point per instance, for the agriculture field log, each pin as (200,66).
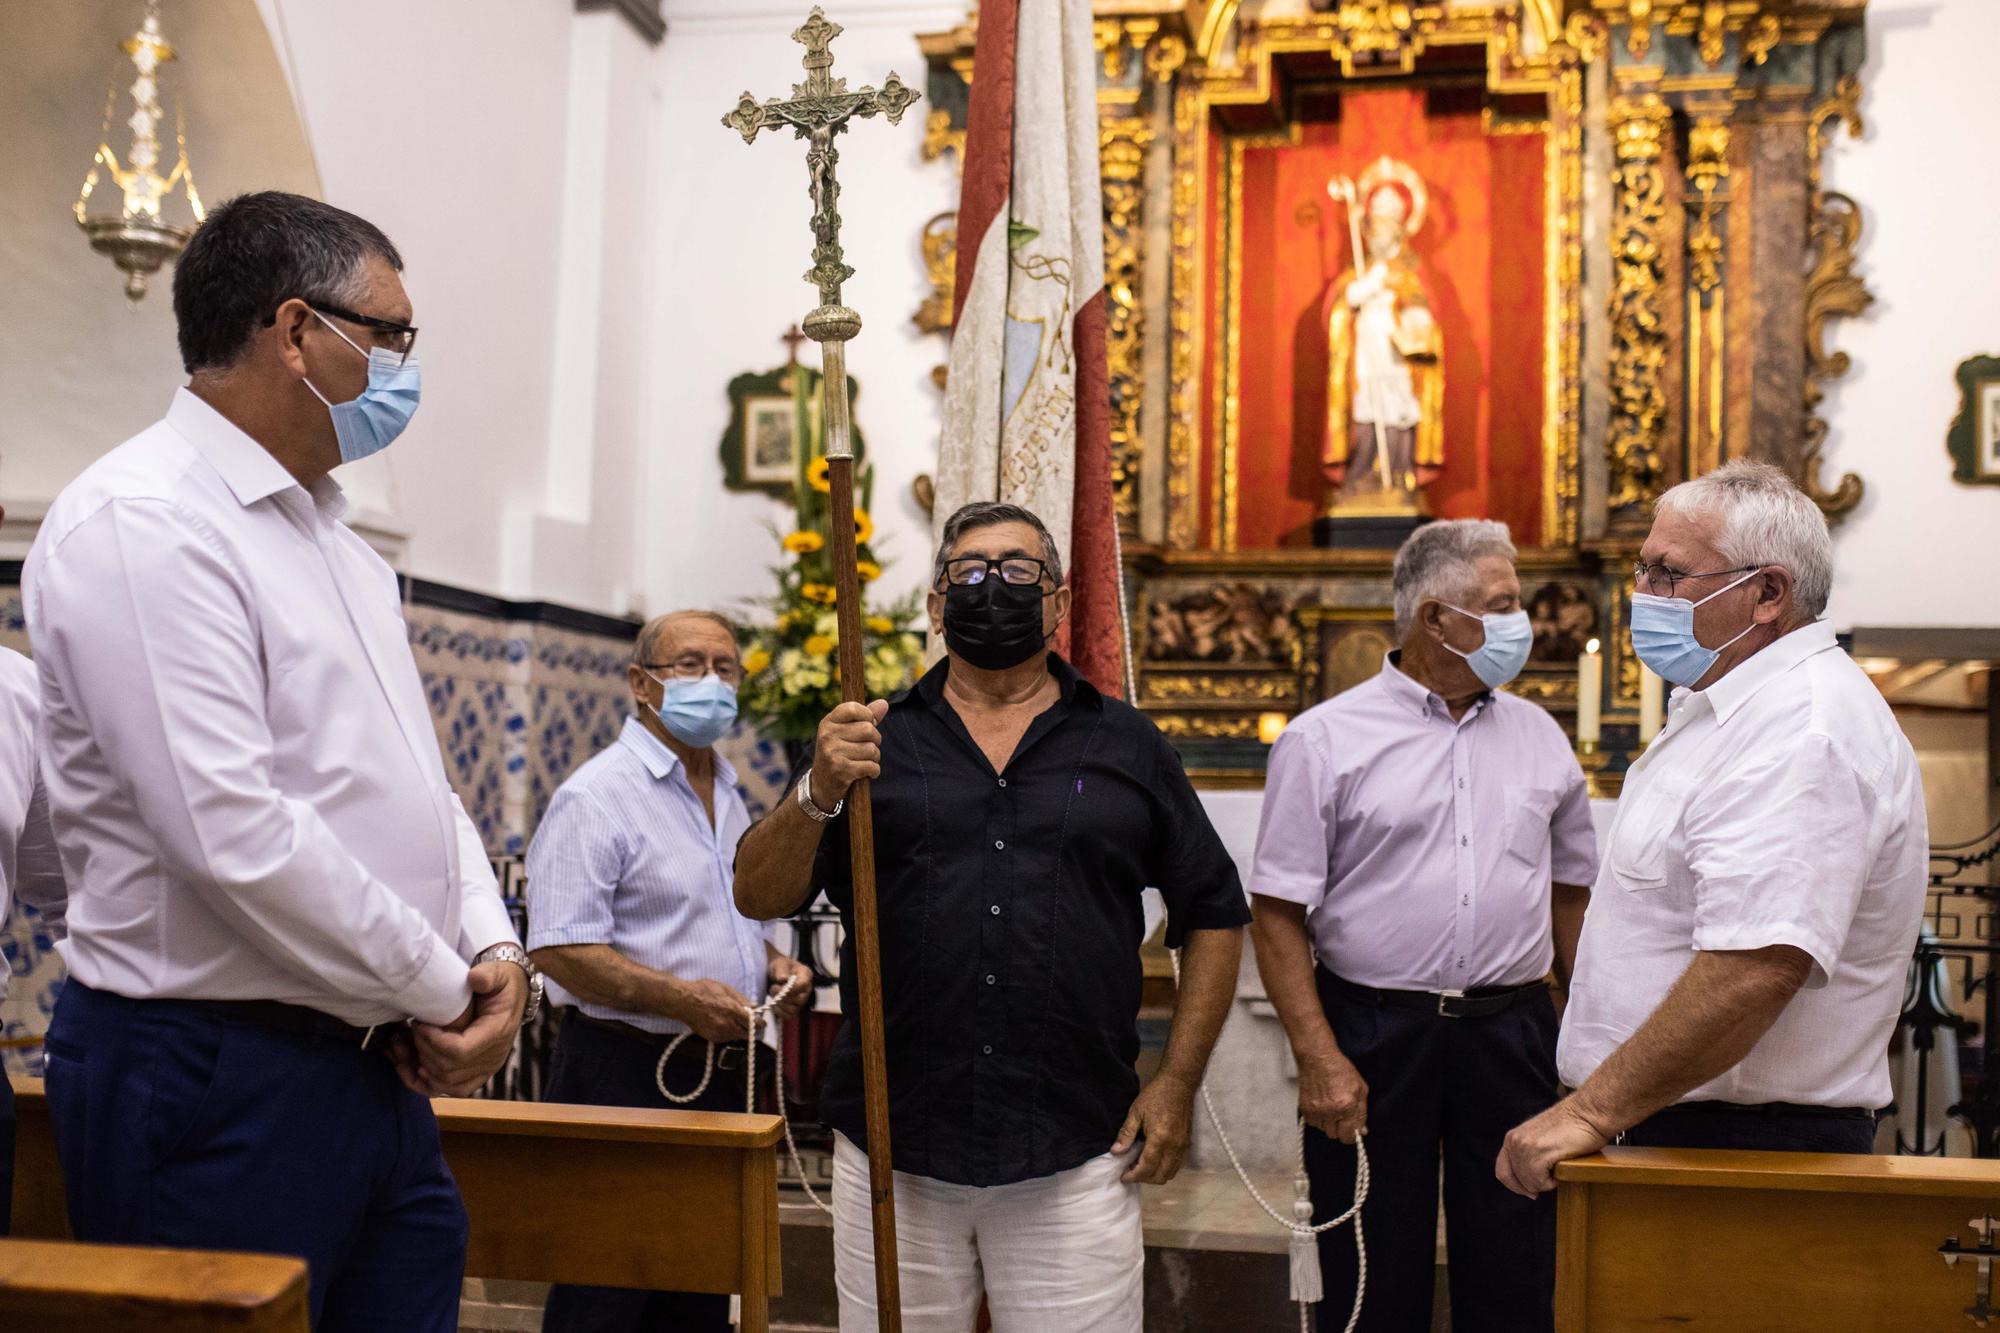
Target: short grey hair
(1438,562)
(1760,517)
(646,647)
(987,514)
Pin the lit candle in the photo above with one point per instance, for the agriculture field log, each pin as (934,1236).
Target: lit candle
(1270,726)
(1652,700)
(1589,695)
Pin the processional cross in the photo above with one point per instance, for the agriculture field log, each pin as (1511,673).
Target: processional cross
(817,111)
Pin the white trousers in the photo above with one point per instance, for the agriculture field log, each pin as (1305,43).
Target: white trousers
(1063,1252)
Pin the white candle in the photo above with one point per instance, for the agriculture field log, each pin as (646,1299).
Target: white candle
(1652,705)
(1589,695)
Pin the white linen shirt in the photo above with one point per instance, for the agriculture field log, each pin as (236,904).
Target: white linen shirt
(1424,848)
(1781,805)
(30,870)
(246,786)
(626,856)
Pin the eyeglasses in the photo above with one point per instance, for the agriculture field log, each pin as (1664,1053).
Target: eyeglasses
(391,336)
(692,667)
(1653,578)
(970,571)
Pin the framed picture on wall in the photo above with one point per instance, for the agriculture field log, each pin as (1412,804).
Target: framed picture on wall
(1974,438)
(762,450)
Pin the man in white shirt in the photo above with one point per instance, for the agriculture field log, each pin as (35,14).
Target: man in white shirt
(1420,871)
(1742,965)
(283,930)
(30,870)
(631,914)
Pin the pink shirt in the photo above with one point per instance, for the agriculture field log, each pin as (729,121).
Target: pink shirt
(1422,848)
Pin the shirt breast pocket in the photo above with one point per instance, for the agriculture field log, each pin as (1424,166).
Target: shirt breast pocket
(1528,812)
(1638,854)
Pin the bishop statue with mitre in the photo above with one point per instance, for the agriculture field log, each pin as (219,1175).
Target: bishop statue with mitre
(1385,379)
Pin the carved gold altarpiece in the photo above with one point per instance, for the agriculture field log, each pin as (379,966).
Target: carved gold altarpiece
(1687,263)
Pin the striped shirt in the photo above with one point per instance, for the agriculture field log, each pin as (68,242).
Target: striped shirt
(626,856)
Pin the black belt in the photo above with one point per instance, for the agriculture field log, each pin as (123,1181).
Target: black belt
(728,1055)
(1773,1110)
(295,1020)
(1480,1002)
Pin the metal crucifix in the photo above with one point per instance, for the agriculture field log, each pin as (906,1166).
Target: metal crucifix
(817,111)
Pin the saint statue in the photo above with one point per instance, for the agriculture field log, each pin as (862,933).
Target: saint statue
(1385,380)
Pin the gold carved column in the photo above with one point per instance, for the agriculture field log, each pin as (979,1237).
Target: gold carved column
(1640,337)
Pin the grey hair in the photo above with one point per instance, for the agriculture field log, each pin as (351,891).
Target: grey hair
(646,647)
(1760,517)
(1437,560)
(987,514)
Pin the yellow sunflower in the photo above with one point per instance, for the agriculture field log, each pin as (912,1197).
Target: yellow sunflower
(804,543)
(817,592)
(864,527)
(881,625)
(867,570)
(819,645)
(755,662)
(816,472)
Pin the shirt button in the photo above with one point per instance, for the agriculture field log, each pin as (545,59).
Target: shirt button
(1003,782)
(986,1050)
(990,978)
(1466,901)
(995,909)
(1465,839)
(999,846)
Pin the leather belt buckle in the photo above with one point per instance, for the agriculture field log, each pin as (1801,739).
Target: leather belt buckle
(729,1057)
(1444,999)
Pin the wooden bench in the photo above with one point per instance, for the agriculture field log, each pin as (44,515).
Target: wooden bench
(603,1196)
(48,1284)
(1653,1238)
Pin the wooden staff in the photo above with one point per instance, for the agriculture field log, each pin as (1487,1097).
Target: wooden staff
(817,111)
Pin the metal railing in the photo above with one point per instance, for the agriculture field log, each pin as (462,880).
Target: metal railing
(1953,965)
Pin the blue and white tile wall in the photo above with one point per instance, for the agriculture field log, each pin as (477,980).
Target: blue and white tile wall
(517,707)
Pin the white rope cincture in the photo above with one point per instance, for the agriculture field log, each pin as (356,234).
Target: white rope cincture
(757,1014)
(1306,1286)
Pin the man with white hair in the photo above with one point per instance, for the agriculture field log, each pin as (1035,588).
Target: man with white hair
(1419,872)
(1743,962)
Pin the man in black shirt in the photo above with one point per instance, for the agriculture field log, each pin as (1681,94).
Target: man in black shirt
(1018,815)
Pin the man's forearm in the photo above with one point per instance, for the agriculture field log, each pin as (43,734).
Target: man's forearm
(1567,903)
(1209,963)
(1284,961)
(1722,1005)
(599,974)
(774,862)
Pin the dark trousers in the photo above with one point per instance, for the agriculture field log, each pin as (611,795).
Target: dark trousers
(1445,1088)
(599,1066)
(177,1126)
(1770,1127)
(6,1154)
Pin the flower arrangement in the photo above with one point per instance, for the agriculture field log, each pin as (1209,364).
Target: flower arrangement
(790,677)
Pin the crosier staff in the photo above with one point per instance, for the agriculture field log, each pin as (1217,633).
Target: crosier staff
(818,110)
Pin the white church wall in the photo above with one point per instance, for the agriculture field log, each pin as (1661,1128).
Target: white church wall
(1919,550)
(732,241)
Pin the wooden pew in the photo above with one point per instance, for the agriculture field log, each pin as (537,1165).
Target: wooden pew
(48,1284)
(671,1200)
(1658,1238)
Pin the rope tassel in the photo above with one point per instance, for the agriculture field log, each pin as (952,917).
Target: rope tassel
(1306,1286)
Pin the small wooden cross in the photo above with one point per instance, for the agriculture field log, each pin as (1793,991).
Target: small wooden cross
(791,338)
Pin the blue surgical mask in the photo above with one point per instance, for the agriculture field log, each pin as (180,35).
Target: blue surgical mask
(1663,635)
(368,424)
(697,712)
(1509,636)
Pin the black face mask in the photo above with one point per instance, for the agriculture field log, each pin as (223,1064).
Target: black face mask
(994,624)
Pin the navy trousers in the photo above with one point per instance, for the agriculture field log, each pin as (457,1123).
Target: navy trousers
(598,1066)
(176,1126)
(1450,1089)
(1770,1127)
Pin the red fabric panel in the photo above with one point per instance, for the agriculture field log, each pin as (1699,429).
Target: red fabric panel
(989,141)
(1212,258)
(1480,251)
(1097,632)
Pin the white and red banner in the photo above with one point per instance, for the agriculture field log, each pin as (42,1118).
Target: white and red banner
(1027,416)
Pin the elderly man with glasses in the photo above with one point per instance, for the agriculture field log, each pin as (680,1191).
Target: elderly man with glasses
(1742,963)
(1019,813)
(630,915)
(278,904)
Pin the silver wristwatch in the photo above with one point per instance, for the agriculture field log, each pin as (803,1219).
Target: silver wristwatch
(817,815)
(515,954)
